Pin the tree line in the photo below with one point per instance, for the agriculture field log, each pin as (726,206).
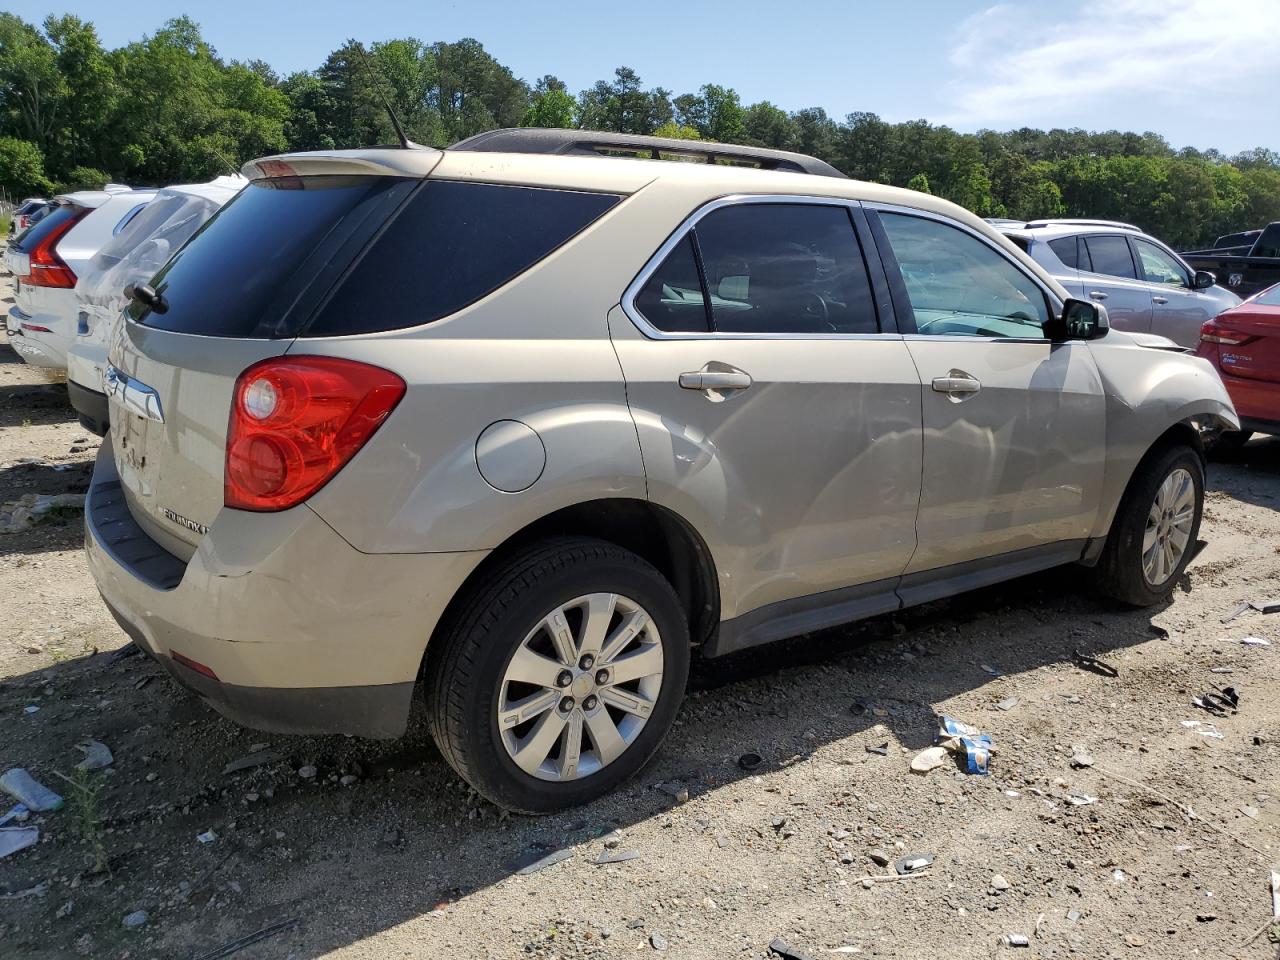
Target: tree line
(168,109)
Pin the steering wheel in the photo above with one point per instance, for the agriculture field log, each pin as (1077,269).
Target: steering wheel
(817,309)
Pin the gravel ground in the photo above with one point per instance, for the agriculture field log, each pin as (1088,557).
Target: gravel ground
(364,850)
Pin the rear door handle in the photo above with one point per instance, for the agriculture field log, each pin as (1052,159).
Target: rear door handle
(1097,295)
(956,384)
(715,380)
(1159,299)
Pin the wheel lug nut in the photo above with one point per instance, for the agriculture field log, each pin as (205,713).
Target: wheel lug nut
(590,703)
(564,679)
(587,661)
(566,704)
(602,676)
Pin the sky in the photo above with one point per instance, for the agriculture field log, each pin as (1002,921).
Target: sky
(1202,73)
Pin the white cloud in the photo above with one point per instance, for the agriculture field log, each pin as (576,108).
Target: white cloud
(1036,65)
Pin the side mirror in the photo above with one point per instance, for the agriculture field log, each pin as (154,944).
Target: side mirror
(1080,320)
(1203,279)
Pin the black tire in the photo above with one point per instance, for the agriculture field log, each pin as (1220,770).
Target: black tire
(1119,573)
(469,656)
(1228,443)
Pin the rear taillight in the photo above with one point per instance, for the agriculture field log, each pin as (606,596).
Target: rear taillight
(1214,331)
(295,421)
(47,269)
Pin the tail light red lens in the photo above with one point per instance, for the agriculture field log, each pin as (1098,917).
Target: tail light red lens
(296,421)
(47,268)
(1214,332)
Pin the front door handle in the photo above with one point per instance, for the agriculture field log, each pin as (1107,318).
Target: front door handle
(715,380)
(956,383)
(1159,299)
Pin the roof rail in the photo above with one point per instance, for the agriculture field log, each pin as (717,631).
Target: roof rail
(1032,224)
(595,143)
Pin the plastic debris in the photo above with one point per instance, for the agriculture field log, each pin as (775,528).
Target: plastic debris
(134,920)
(536,860)
(207,837)
(1081,799)
(255,759)
(235,946)
(1204,729)
(749,761)
(1240,608)
(1275,891)
(1219,703)
(1266,606)
(960,737)
(28,791)
(781,948)
(30,709)
(18,812)
(882,749)
(912,863)
(1007,704)
(96,755)
(13,839)
(1093,664)
(929,759)
(1222,670)
(616,856)
(987,668)
(39,890)
(1255,642)
(1016,940)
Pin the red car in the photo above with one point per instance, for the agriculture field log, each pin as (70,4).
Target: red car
(1243,344)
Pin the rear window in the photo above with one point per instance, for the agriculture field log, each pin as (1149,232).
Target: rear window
(453,243)
(61,213)
(266,263)
(1269,297)
(251,269)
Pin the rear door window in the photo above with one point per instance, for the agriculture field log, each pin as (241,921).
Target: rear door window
(672,299)
(1110,255)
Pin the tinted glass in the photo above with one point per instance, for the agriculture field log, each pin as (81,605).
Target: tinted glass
(30,238)
(672,298)
(1110,255)
(1268,244)
(1066,250)
(785,268)
(1159,267)
(959,286)
(241,275)
(453,244)
(1269,297)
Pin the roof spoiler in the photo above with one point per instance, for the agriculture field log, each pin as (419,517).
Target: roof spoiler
(595,143)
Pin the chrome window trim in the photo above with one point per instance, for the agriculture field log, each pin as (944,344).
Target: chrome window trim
(627,303)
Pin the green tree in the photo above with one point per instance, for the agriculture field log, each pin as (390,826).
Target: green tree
(552,105)
(920,183)
(31,85)
(624,106)
(715,112)
(766,125)
(22,168)
(677,131)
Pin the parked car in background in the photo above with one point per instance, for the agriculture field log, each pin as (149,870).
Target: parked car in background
(22,214)
(1246,268)
(46,261)
(134,255)
(1243,344)
(532,422)
(1146,287)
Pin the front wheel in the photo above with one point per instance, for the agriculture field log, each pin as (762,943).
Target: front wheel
(1155,528)
(559,676)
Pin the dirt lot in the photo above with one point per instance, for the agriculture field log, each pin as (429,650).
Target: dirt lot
(383,852)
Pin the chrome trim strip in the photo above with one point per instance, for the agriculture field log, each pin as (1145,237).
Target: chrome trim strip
(134,395)
(653,333)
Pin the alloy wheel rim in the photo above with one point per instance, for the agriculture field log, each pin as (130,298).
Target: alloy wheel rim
(580,687)
(1168,532)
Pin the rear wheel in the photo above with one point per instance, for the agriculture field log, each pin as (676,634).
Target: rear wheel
(1155,528)
(559,677)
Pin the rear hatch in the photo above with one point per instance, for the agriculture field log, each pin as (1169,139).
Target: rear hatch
(1248,338)
(236,294)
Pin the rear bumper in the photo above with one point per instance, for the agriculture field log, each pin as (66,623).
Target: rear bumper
(301,632)
(38,347)
(91,407)
(1257,403)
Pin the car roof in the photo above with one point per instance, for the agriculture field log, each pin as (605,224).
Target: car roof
(1051,230)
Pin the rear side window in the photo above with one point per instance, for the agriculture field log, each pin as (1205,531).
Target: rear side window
(453,243)
(1268,245)
(1067,251)
(244,272)
(764,268)
(1111,256)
